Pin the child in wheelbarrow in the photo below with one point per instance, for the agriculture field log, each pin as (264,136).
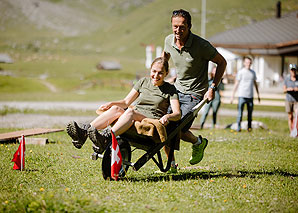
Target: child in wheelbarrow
(153,96)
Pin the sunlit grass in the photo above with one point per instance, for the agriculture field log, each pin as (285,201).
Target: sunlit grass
(248,172)
(254,171)
(77,79)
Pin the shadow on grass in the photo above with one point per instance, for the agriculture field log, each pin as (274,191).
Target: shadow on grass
(209,175)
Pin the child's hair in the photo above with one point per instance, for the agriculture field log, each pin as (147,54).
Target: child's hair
(162,61)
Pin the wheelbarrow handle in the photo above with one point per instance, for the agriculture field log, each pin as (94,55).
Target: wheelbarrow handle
(200,105)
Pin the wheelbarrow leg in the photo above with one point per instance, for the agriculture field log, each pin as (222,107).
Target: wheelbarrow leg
(150,155)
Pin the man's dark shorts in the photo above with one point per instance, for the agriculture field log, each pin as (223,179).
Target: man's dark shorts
(187,102)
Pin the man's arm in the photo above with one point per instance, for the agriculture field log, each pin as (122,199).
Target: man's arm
(234,90)
(285,89)
(257,89)
(167,56)
(220,69)
(288,89)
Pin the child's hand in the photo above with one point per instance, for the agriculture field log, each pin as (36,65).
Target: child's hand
(164,120)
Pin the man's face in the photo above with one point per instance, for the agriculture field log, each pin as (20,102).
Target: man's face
(293,72)
(247,63)
(180,28)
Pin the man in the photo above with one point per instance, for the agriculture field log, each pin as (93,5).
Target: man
(191,54)
(245,80)
(291,90)
(215,104)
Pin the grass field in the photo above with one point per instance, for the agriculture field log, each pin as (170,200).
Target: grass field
(249,172)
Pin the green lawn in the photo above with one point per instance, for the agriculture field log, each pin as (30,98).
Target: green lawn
(249,172)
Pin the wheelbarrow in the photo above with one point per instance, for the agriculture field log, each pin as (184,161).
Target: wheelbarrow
(152,149)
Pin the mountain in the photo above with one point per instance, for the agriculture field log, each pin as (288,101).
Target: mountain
(116,27)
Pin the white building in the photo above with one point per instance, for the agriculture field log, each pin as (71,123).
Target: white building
(272,43)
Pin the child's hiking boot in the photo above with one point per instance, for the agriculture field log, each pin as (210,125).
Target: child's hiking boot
(100,140)
(78,133)
(198,151)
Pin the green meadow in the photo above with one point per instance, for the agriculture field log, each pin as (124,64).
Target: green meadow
(55,56)
(251,172)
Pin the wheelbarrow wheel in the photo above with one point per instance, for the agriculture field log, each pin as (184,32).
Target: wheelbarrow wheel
(106,161)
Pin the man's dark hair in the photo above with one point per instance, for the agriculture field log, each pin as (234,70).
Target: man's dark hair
(247,57)
(184,14)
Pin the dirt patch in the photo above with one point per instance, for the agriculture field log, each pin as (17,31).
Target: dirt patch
(50,86)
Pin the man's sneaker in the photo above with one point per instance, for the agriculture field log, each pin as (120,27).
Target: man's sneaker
(100,140)
(198,151)
(173,170)
(78,133)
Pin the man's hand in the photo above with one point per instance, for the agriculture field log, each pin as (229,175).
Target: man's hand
(167,56)
(210,94)
(232,99)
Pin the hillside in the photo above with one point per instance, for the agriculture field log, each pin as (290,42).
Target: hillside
(57,43)
(73,18)
(121,26)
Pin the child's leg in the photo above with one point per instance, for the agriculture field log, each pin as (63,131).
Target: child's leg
(126,120)
(108,117)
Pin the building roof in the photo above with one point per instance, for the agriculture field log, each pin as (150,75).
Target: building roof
(274,36)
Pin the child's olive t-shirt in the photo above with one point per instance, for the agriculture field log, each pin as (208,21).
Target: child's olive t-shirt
(154,101)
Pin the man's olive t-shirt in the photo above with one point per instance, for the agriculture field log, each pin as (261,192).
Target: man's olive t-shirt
(154,101)
(191,63)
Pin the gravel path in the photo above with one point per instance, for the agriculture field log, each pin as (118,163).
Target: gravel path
(19,120)
(39,120)
(51,105)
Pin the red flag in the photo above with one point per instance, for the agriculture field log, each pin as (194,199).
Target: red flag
(116,159)
(19,156)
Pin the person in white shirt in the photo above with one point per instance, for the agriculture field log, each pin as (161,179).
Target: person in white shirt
(245,82)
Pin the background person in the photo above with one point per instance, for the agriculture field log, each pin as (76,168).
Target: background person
(153,96)
(291,90)
(214,104)
(245,82)
(191,55)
